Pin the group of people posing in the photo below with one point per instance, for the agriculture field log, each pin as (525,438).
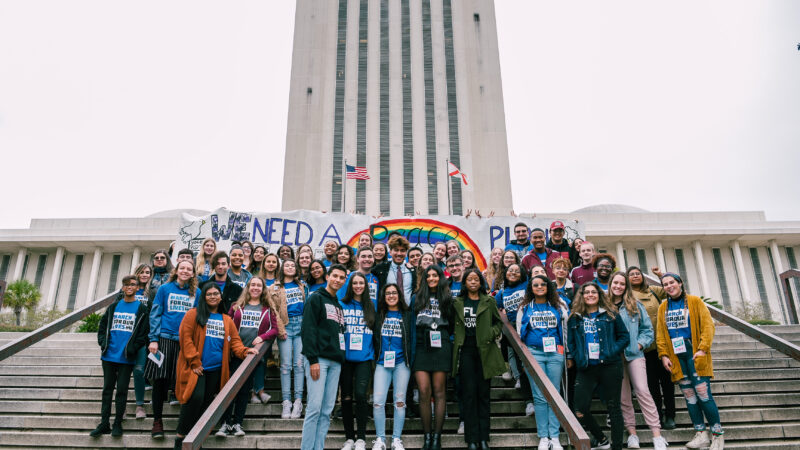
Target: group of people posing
(392,317)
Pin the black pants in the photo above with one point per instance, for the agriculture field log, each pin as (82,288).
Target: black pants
(569,379)
(659,381)
(354,381)
(475,395)
(202,396)
(607,378)
(119,376)
(238,406)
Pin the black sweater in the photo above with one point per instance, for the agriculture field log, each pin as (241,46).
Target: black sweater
(323,327)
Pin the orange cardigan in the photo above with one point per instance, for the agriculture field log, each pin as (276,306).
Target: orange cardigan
(192,338)
(702,328)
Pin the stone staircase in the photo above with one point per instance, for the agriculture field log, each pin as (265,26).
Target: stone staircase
(50,397)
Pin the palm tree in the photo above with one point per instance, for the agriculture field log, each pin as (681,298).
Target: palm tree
(22,294)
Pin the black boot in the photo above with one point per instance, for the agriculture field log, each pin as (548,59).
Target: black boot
(178,443)
(426,443)
(472,446)
(436,441)
(669,423)
(485,445)
(103,428)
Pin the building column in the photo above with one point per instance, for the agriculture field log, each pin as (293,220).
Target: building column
(662,263)
(739,261)
(776,261)
(90,293)
(50,303)
(20,264)
(137,255)
(701,268)
(621,263)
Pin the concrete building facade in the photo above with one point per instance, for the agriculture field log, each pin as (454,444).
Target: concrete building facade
(399,87)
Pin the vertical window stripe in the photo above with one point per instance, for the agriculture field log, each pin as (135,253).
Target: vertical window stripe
(762,287)
(361,112)
(682,268)
(723,281)
(76,278)
(408,143)
(452,106)
(385,163)
(430,119)
(338,113)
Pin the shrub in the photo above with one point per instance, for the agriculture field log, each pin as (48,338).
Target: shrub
(91,323)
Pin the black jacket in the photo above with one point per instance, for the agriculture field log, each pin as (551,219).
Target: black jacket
(381,272)
(230,292)
(323,327)
(141,328)
(377,340)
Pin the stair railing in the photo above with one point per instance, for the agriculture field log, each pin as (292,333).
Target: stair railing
(570,424)
(55,326)
(794,318)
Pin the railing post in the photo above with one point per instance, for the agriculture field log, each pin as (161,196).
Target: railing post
(787,290)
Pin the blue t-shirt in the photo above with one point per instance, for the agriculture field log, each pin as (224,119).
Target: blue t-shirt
(294,299)
(603,286)
(206,274)
(214,340)
(542,256)
(141,297)
(372,286)
(121,332)
(269,283)
(509,299)
(562,293)
(455,288)
(171,303)
(326,263)
(357,335)
(392,337)
(590,333)
(316,287)
(678,321)
(540,321)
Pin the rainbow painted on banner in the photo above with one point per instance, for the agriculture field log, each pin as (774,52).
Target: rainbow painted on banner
(425,232)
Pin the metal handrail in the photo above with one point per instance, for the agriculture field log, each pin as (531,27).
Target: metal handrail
(794,318)
(763,336)
(577,435)
(55,326)
(216,409)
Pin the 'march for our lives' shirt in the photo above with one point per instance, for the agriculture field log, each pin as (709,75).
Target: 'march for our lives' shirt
(357,335)
(372,287)
(538,322)
(590,333)
(509,299)
(173,302)
(392,337)
(294,299)
(121,331)
(212,346)
(678,321)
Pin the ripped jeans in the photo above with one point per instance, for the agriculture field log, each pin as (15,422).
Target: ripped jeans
(697,392)
(291,350)
(397,377)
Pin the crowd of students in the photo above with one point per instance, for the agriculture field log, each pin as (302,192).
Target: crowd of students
(358,323)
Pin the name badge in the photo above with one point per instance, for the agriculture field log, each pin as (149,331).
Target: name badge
(679,345)
(549,344)
(356,341)
(341,341)
(594,350)
(436,339)
(388,359)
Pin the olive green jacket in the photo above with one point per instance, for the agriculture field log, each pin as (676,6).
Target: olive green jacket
(488,327)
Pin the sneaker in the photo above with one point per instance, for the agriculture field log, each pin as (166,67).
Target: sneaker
(140,412)
(147,387)
(669,423)
(460,428)
(507,376)
(264,397)
(348,445)
(555,444)
(254,399)
(378,444)
(700,440)
(224,431)
(544,444)
(660,443)
(633,441)
(602,444)
(361,445)
(297,409)
(397,444)
(158,430)
(237,430)
(287,409)
(517,385)
(717,442)
(416,396)
(116,429)
(101,429)
(173,400)
(529,409)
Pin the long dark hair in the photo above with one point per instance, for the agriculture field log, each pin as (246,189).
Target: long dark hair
(551,295)
(202,308)
(310,279)
(484,288)
(366,302)
(351,262)
(442,292)
(383,308)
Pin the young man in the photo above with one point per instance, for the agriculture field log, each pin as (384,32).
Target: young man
(329,250)
(396,270)
(121,333)
(230,290)
(185,255)
(557,243)
(413,257)
(604,265)
(323,348)
(521,245)
(365,261)
(539,254)
(585,272)
(456,268)
(237,272)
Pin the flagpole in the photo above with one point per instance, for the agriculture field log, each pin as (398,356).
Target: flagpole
(449,195)
(344,183)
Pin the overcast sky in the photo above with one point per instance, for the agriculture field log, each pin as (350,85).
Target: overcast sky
(123,109)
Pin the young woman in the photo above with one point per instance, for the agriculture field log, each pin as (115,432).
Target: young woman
(359,318)
(287,297)
(509,257)
(207,339)
(259,253)
(203,264)
(641,334)
(380,252)
(392,334)
(256,323)
(596,338)
(364,240)
(247,248)
(476,356)
(162,268)
(509,300)
(440,254)
(685,334)
(425,261)
(285,253)
(269,271)
(541,322)
(452,248)
(317,275)
(144,295)
(304,258)
(468,259)
(345,257)
(329,250)
(564,287)
(604,265)
(171,303)
(492,271)
(575,252)
(433,309)
(658,380)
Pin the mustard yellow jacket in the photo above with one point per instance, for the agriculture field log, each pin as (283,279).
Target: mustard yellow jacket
(702,327)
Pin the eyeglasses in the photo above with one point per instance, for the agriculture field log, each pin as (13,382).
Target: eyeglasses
(130,285)
(391,294)
(159,258)
(513,271)
(603,266)
(539,285)
(213,294)
(450,266)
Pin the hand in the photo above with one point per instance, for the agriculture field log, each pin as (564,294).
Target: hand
(478,213)
(257,340)
(491,213)
(251,351)
(153,347)
(513,213)
(314,369)
(570,364)
(656,271)
(699,354)
(667,363)
(198,371)
(283,336)
(640,346)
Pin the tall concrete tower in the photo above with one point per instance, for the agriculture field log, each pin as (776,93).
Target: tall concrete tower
(399,87)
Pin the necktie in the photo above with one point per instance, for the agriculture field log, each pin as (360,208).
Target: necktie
(400,278)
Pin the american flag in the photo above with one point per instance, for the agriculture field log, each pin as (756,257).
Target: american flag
(356,173)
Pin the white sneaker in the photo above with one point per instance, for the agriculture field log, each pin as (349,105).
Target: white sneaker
(555,444)
(378,444)
(297,409)
(717,442)
(460,428)
(544,444)
(287,409)
(633,441)
(517,385)
(397,444)
(361,445)
(254,399)
(264,397)
(237,430)
(700,440)
(529,409)
(223,431)
(348,445)
(507,375)
(660,443)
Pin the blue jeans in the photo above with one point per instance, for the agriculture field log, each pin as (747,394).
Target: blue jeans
(553,365)
(138,375)
(398,377)
(291,350)
(695,387)
(258,376)
(321,398)
(512,362)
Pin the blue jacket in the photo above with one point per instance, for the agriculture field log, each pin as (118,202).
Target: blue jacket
(613,336)
(640,330)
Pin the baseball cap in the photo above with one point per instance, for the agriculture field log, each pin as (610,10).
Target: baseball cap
(556,225)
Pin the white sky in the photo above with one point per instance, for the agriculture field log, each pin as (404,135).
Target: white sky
(122,109)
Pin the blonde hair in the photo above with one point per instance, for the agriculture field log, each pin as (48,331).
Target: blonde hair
(244,297)
(191,285)
(628,300)
(201,256)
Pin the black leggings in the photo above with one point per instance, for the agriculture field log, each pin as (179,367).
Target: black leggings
(204,391)
(659,381)
(160,388)
(119,376)
(607,379)
(354,381)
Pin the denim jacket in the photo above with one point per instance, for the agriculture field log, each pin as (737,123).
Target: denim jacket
(640,330)
(612,333)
